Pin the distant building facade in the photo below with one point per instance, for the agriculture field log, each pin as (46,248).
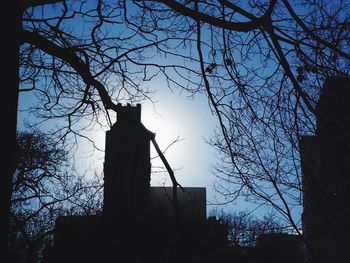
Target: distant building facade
(138,221)
(326,177)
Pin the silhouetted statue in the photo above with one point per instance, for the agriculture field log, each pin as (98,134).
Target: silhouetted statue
(127,167)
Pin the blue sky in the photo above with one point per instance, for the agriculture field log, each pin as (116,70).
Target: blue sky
(173,115)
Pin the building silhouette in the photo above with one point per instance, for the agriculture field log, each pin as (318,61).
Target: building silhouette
(278,248)
(326,177)
(139,223)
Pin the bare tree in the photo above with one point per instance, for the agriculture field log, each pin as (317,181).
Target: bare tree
(262,65)
(74,61)
(244,229)
(44,187)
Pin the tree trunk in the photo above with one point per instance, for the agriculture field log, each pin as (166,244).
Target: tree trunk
(9,104)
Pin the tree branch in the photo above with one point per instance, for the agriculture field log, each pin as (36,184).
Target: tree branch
(34,3)
(68,55)
(311,34)
(196,15)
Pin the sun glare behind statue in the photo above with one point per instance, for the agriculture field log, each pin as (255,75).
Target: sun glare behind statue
(169,134)
(181,127)
(169,137)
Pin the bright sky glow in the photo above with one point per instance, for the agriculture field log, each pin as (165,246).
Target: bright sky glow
(172,116)
(191,121)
